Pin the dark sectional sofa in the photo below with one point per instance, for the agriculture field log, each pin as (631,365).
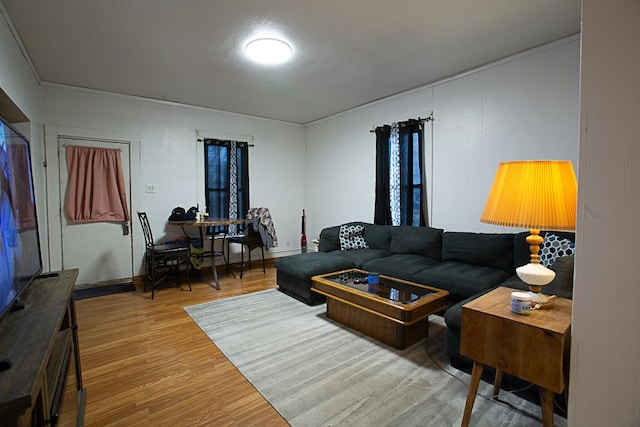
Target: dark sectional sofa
(463,263)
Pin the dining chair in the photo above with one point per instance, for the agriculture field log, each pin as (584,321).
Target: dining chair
(249,239)
(167,257)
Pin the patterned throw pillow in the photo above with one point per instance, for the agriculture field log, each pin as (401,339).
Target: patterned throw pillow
(352,237)
(554,247)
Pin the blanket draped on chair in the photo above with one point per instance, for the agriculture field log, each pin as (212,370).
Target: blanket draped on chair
(261,220)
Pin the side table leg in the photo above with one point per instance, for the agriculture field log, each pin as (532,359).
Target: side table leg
(546,401)
(497,383)
(476,374)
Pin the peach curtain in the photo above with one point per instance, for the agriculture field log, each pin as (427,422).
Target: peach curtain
(95,187)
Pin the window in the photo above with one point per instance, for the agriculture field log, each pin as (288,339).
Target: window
(400,181)
(226,166)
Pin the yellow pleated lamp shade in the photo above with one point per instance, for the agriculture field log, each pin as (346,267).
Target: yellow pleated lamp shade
(534,194)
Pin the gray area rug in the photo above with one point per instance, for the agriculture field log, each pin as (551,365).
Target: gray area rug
(316,372)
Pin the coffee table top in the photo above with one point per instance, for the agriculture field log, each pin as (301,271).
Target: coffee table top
(389,288)
(395,298)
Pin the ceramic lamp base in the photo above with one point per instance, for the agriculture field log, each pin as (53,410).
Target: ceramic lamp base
(538,298)
(536,276)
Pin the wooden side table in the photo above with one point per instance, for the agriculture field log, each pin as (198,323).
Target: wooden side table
(533,347)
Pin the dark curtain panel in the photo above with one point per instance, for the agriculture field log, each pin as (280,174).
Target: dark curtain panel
(382,214)
(242,153)
(412,173)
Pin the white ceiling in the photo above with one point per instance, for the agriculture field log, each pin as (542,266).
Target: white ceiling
(346,52)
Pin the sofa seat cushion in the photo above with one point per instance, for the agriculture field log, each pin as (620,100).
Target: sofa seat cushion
(360,256)
(453,320)
(401,266)
(453,315)
(460,279)
(305,266)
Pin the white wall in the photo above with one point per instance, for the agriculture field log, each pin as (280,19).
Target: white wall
(19,82)
(605,352)
(16,77)
(167,135)
(340,160)
(523,107)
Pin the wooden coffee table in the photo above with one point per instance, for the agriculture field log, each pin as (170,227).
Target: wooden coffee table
(393,312)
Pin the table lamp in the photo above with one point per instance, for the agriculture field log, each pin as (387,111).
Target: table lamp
(533,194)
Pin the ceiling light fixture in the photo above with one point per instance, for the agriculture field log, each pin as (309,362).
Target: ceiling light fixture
(268,51)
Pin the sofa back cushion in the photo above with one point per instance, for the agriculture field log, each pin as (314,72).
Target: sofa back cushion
(484,249)
(330,239)
(425,241)
(562,284)
(376,236)
(521,251)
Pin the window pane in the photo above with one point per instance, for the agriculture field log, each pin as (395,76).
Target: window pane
(417,178)
(217,166)
(216,181)
(416,206)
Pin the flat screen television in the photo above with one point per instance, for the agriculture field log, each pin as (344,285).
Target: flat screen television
(20,256)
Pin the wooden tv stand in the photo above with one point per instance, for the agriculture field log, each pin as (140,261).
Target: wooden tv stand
(41,341)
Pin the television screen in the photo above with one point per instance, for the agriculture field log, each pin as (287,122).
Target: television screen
(20,258)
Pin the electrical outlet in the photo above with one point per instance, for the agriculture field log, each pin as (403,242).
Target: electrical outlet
(151,188)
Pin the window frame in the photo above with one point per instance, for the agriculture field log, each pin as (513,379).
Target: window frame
(242,186)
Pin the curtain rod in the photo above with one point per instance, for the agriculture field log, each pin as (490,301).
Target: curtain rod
(430,118)
(202,140)
(86,146)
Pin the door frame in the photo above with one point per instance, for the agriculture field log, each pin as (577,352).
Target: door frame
(54,205)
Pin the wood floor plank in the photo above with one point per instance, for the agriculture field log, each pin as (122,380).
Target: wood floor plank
(146,363)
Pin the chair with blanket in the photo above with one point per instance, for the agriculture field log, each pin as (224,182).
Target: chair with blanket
(258,232)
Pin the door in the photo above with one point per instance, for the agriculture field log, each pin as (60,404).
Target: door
(102,251)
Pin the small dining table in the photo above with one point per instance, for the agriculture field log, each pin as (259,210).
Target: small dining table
(202,225)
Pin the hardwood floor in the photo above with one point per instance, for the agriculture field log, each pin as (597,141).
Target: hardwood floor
(146,363)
